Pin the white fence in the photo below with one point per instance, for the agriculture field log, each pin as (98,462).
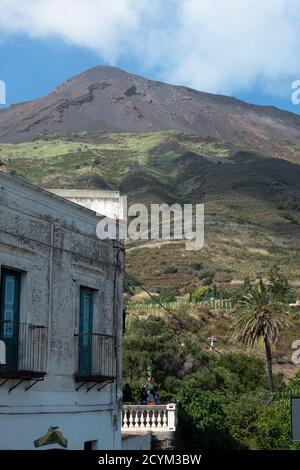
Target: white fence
(216,304)
(141,418)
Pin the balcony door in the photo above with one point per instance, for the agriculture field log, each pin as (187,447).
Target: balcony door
(9,315)
(85,331)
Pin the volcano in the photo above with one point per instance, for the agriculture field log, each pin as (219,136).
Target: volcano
(111,100)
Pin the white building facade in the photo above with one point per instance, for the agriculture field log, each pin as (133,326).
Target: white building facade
(109,203)
(61,322)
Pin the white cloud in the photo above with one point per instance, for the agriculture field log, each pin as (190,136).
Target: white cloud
(105,26)
(213,45)
(229,45)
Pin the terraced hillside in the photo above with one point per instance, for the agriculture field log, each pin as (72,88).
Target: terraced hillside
(252,199)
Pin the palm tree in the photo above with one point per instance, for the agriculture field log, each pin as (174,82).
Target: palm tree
(260,316)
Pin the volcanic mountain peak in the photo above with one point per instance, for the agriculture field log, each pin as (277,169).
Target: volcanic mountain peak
(109,99)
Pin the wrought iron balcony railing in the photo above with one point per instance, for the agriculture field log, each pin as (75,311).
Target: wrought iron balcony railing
(25,350)
(95,357)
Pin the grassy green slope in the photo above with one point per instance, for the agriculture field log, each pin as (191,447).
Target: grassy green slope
(110,156)
(252,209)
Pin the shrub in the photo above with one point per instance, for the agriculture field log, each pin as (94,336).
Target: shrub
(167,296)
(196,265)
(205,274)
(200,293)
(202,420)
(207,281)
(170,269)
(242,413)
(130,283)
(273,427)
(249,370)
(290,218)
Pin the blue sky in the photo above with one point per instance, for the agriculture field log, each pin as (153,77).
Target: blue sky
(248,51)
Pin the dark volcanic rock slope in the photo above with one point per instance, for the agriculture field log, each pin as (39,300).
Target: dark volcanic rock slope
(109,99)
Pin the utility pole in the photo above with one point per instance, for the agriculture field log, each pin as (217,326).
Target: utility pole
(212,340)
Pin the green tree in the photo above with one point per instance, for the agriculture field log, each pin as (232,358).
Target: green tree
(248,370)
(273,427)
(202,420)
(242,413)
(260,316)
(151,343)
(237,293)
(279,285)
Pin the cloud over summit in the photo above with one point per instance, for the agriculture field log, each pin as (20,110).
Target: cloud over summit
(214,45)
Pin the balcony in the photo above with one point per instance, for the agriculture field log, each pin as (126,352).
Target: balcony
(95,357)
(26,350)
(152,418)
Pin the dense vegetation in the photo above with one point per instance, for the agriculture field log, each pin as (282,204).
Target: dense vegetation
(224,397)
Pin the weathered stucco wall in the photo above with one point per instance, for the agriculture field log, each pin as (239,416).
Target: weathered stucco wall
(136,441)
(108,203)
(53,242)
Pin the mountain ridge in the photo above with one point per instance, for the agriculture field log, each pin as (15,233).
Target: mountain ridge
(241,160)
(111,100)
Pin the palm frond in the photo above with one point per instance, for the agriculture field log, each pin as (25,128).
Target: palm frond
(259,316)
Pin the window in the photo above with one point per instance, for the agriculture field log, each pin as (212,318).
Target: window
(90,445)
(86,330)
(9,314)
